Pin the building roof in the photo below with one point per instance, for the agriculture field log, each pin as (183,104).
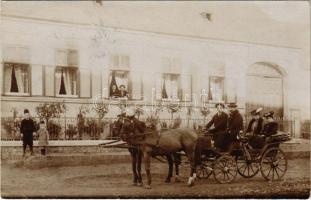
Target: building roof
(280,23)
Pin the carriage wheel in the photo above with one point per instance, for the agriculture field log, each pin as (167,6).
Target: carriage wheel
(247,168)
(273,164)
(204,171)
(225,169)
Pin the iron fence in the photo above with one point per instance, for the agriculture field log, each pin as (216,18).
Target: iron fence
(69,128)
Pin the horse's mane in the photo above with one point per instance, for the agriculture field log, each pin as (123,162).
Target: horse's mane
(141,126)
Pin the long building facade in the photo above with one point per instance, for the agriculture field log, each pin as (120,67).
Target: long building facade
(79,64)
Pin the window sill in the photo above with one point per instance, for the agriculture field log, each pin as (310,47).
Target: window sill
(66,96)
(16,94)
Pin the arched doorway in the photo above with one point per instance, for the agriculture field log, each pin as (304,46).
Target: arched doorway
(264,88)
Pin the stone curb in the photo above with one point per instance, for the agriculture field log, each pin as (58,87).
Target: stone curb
(57,160)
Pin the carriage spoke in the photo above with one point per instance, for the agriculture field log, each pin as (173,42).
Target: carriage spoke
(272,173)
(269,172)
(280,169)
(230,173)
(244,169)
(251,166)
(276,171)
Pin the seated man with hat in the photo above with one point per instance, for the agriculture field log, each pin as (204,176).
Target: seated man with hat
(219,122)
(235,125)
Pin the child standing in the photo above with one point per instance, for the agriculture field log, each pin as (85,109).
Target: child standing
(43,137)
(27,131)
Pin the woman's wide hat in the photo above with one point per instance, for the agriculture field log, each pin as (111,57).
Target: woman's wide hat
(268,114)
(256,112)
(232,105)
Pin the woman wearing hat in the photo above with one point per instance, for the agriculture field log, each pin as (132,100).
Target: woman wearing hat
(254,129)
(255,125)
(271,127)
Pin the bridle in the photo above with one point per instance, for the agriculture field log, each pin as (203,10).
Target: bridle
(131,133)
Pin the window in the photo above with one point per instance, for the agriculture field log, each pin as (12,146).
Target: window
(170,86)
(118,84)
(66,81)
(173,84)
(216,88)
(66,73)
(16,78)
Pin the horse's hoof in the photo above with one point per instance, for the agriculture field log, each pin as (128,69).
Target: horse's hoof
(139,184)
(167,180)
(134,184)
(191,182)
(147,187)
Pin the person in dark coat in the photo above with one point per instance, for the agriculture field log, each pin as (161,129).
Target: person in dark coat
(254,130)
(271,126)
(235,124)
(27,130)
(219,122)
(256,124)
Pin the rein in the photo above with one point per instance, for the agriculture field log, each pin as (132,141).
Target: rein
(132,134)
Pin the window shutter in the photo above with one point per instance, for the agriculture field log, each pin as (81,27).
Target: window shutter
(158,86)
(96,84)
(136,86)
(85,83)
(105,84)
(49,80)
(204,79)
(231,90)
(36,77)
(7,77)
(186,87)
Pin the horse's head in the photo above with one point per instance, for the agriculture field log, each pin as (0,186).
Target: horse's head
(127,127)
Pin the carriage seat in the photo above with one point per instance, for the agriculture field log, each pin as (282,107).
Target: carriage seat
(278,138)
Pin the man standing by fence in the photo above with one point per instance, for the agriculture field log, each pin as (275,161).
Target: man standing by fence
(27,131)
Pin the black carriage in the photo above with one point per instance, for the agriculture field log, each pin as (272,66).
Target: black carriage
(221,164)
(270,160)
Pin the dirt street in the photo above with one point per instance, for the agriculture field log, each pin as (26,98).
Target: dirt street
(115,180)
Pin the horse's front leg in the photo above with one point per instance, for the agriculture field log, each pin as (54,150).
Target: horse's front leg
(134,161)
(190,155)
(147,168)
(170,168)
(139,160)
(177,162)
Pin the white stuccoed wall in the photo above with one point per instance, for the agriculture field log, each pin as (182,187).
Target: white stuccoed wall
(146,50)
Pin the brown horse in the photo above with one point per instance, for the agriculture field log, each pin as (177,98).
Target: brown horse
(152,142)
(137,154)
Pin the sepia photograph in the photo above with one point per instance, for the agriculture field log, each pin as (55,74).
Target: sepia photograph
(155,99)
